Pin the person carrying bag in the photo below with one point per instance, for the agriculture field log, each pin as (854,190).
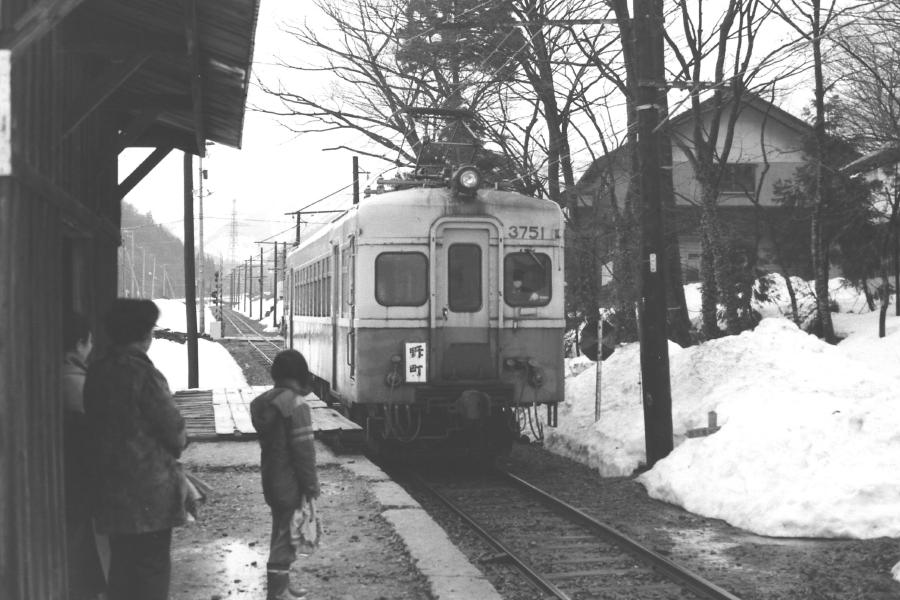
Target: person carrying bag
(290,483)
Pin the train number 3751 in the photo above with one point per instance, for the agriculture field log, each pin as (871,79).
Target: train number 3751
(528,232)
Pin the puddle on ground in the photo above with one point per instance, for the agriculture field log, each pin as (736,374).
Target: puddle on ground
(226,568)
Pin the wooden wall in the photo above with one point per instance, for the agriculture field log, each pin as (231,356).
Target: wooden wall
(58,242)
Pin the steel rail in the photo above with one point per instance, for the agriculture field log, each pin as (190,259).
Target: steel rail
(529,572)
(690,580)
(247,337)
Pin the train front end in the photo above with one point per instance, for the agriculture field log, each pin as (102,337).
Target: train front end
(456,340)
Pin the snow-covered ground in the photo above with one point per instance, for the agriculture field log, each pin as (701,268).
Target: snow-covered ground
(216,367)
(809,443)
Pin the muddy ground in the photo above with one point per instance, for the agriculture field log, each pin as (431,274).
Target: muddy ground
(223,554)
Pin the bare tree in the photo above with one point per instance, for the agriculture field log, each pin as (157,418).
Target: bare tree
(719,66)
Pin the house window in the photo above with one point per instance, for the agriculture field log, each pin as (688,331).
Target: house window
(738,177)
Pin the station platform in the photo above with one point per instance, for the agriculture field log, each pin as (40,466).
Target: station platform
(222,414)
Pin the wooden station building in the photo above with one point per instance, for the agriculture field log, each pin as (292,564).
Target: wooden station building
(81,80)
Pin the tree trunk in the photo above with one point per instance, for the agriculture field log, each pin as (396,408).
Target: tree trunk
(708,294)
(870,301)
(820,272)
(896,235)
(793,296)
(885,300)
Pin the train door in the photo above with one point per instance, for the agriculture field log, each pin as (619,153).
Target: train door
(463,344)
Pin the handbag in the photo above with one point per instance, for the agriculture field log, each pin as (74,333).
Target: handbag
(195,493)
(306,527)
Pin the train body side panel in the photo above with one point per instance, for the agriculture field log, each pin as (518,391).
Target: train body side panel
(312,337)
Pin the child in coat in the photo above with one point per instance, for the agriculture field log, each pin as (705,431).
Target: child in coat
(288,462)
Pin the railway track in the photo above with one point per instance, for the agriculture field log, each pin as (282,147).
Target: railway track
(562,551)
(248,330)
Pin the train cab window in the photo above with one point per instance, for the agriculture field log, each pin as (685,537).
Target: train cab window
(464,277)
(526,279)
(401,279)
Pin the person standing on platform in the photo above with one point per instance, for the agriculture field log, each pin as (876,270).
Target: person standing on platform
(138,435)
(283,421)
(83,548)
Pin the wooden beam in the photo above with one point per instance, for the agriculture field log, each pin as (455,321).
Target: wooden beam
(69,206)
(124,101)
(35,23)
(136,128)
(192,36)
(142,170)
(112,45)
(104,88)
(160,135)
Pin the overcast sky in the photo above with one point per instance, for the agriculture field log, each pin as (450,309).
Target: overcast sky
(274,172)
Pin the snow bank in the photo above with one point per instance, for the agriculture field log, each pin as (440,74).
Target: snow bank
(810,438)
(216,367)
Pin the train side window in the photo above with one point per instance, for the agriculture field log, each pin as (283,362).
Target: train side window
(526,279)
(345,280)
(401,279)
(464,277)
(296,299)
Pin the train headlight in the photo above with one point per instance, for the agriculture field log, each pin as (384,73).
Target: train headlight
(466,181)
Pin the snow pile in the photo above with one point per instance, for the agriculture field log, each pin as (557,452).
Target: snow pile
(810,437)
(172,315)
(216,367)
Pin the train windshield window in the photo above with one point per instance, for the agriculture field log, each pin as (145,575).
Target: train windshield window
(401,279)
(464,277)
(526,279)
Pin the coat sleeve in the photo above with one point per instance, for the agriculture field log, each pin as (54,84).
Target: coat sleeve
(159,409)
(303,450)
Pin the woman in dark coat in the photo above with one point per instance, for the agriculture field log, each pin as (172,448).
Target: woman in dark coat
(86,577)
(138,435)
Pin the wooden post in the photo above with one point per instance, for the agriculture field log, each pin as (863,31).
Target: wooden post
(656,387)
(190,294)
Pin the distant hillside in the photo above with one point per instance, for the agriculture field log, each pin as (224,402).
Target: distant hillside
(152,241)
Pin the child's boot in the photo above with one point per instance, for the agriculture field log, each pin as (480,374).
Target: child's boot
(278,585)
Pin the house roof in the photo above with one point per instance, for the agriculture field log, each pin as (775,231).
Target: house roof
(748,99)
(888,155)
(177,71)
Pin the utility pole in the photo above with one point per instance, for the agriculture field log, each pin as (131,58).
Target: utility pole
(131,263)
(656,387)
(190,298)
(355,181)
(153,279)
(164,277)
(275,286)
(201,175)
(248,275)
(143,272)
(262,278)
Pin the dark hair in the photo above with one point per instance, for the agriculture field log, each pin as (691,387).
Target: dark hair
(76,328)
(130,320)
(518,275)
(290,364)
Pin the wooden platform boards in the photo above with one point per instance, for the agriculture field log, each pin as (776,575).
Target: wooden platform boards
(225,414)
